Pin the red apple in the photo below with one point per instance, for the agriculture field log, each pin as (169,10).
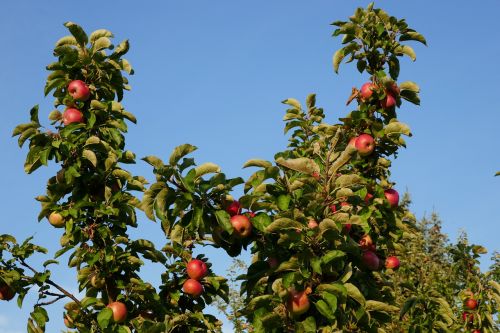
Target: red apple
(333,208)
(368,198)
(56,220)
(365,144)
(119,311)
(470,303)
(233,208)
(250,214)
(272,262)
(316,175)
(371,261)
(367,91)
(389,101)
(345,204)
(192,287)
(392,196)
(78,90)
(298,302)
(347,228)
(392,262)
(476,331)
(352,142)
(197,269)
(242,226)
(468,317)
(395,89)
(366,243)
(6,293)
(72,115)
(312,224)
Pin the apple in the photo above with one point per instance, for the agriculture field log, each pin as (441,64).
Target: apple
(467,317)
(345,204)
(392,262)
(365,144)
(197,269)
(392,196)
(119,311)
(312,224)
(395,89)
(366,243)
(470,303)
(6,293)
(242,226)
(250,214)
(273,262)
(333,208)
(192,287)
(298,302)
(367,91)
(476,331)
(316,175)
(389,101)
(371,261)
(79,90)
(347,228)
(352,142)
(233,208)
(56,220)
(72,115)
(368,198)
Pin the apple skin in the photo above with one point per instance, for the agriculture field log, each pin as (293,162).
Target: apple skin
(392,197)
(366,243)
(368,198)
(197,269)
(6,293)
(242,226)
(298,302)
(79,90)
(72,115)
(352,142)
(371,261)
(347,228)
(388,102)
(119,311)
(467,317)
(366,91)
(392,262)
(233,208)
(312,224)
(56,220)
(273,262)
(365,144)
(192,287)
(471,303)
(476,331)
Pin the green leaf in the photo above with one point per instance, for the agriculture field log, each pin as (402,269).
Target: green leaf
(393,67)
(104,317)
(258,302)
(332,255)
(324,309)
(292,102)
(261,221)
(396,127)
(100,33)
(307,326)
(257,163)
(410,96)
(224,220)
(179,152)
(337,59)
(283,224)
(301,164)
(101,43)
(405,50)
(409,303)
(413,35)
(354,293)
(77,32)
(371,305)
(206,168)
(66,40)
(154,161)
(90,155)
(283,201)
(409,85)
(330,299)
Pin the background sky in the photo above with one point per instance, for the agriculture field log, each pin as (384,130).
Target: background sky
(213,73)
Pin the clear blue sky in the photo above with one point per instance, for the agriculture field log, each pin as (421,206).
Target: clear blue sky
(213,74)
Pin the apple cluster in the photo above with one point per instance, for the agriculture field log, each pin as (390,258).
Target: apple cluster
(196,270)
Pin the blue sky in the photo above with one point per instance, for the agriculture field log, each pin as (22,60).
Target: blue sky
(213,74)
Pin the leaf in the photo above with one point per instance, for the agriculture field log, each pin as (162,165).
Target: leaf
(283,224)
(101,43)
(393,67)
(413,35)
(332,255)
(104,317)
(100,33)
(224,220)
(121,49)
(292,102)
(334,288)
(354,293)
(324,309)
(77,32)
(90,155)
(409,85)
(371,305)
(410,96)
(283,201)
(311,101)
(179,152)
(301,164)
(330,299)
(206,168)
(396,127)
(154,161)
(348,180)
(261,221)
(337,59)
(409,303)
(258,302)
(66,40)
(406,50)
(257,163)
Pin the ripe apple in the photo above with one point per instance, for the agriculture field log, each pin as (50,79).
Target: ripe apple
(467,317)
(389,101)
(392,196)
(78,90)
(352,142)
(470,303)
(273,262)
(345,204)
(366,243)
(392,262)
(242,226)
(233,208)
(368,198)
(371,261)
(192,287)
(56,219)
(197,269)
(72,115)
(333,208)
(6,293)
(394,89)
(367,91)
(298,302)
(476,331)
(347,228)
(365,144)
(119,311)
(312,224)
